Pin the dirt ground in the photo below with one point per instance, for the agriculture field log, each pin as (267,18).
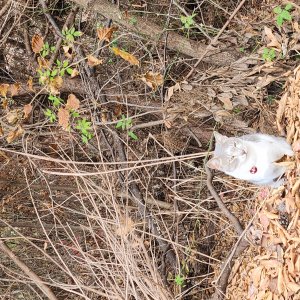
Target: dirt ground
(107,115)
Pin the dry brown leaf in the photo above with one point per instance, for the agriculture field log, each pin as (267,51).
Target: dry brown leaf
(1,131)
(106,33)
(14,89)
(72,102)
(126,56)
(74,73)
(43,63)
(4,103)
(4,89)
(272,38)
(27,110)
(68,50)
(37,43)
(225,98)
(126,226)
(55,85)
(14,134)
(294,287)
(63,118)
(153,80)
(12,116)
(30,84)
(94,61)
(171,91)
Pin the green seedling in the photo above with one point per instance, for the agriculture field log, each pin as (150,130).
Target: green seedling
(179,280)
(126,124)
(133,21)
(50,114)
(269,54)
(85,128)
(283,14)
(46,49)
(188,21)
(70,34)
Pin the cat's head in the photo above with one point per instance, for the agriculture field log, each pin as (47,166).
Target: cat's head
(228,154)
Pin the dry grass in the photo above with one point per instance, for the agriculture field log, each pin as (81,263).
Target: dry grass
(68,210)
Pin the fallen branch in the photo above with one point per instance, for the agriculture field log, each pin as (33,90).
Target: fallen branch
(35,278)
(154,32)
(241,245)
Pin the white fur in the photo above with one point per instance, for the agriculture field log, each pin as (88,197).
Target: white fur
(253,150)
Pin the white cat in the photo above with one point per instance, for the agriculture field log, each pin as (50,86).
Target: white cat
(251,157)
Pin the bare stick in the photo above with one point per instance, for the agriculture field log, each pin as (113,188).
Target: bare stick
(35,278)
(50,19)
(214,40)
(233,219)
(4,8)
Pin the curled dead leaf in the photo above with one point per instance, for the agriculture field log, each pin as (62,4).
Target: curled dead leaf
(43,63)
(153,80)
(125,227)
(93,61)
(12,116)
(14,89)
(14,134)
(74,73)
(1,131)
(55,85)
(72,102)
(126,56)
(106,33)
(63,118)
(4,89)
(272,38)
(171,91)
(30,84)
(226,99)
(27,110)
(37,43)
(68,50)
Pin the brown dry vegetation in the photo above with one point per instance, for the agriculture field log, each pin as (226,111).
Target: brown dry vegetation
(119,218)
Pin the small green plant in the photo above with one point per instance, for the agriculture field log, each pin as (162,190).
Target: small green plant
(85,128)
(283,14)
(133,21)
(70,34)
(269,54)
(242,49)
(126,124)
(56,101)
(270,99)
(50,114)
(46,49)
(179,280)
(188,21)
(63,66)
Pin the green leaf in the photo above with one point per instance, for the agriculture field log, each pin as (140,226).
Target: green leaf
(286,15)
(72,30)
(58,62)
(289,6)
(77,33)
(69,70)
(277,10)
(119,124)
(65,63)
(132,135)
(74,114)
(62,72)
(279,20)
(84,139)
(54,72)
(179,280)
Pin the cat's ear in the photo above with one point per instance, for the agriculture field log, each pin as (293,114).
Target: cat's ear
(219,137)
(214,163)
